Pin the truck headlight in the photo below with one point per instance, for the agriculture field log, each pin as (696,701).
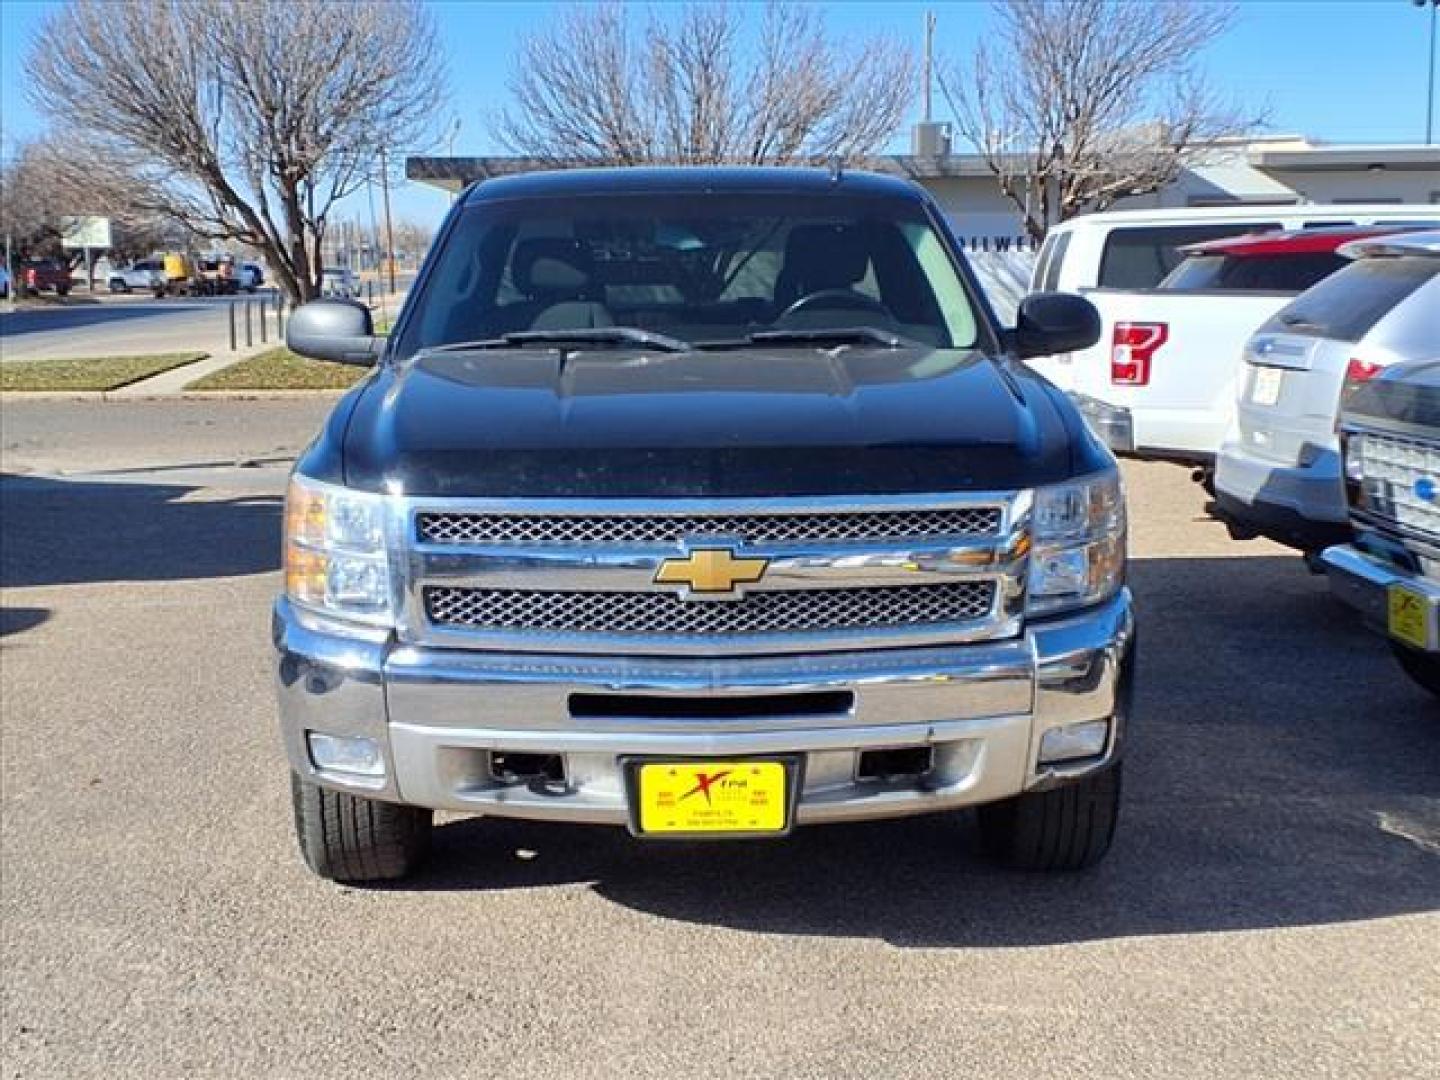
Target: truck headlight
(335,558)
(1077,556)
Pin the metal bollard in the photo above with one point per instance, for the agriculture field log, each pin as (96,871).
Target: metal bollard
(263,339)
(230,308)
(249,336)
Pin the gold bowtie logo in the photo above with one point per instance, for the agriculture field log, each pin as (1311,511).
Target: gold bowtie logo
(711,570)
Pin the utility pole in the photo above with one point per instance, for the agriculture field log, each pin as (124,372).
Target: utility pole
(389,231)
(929,54)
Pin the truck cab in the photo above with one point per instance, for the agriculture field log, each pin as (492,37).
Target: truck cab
(701,503)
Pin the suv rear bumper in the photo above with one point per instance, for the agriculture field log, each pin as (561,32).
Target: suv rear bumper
(440,716)
(1301,507)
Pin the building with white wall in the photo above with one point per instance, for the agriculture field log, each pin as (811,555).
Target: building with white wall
(1280,170)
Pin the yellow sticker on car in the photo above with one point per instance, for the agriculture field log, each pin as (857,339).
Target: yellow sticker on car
(712,797)
(1409,617)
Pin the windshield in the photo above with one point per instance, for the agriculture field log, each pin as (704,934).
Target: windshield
(707,271)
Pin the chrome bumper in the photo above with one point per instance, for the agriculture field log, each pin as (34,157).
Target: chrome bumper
(440,714)
(1114,426)
(1364,582)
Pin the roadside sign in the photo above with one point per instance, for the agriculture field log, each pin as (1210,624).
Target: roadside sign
(85,231)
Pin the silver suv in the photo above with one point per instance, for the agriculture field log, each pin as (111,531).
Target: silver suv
(1278,473)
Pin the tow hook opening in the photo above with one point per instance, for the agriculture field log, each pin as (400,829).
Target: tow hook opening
(901,763)
(513,768)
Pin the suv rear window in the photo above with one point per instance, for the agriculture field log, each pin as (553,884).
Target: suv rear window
(1255,273)
(1347,304)
(1139,258)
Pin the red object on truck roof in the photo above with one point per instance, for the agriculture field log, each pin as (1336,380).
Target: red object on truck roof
(1287,241)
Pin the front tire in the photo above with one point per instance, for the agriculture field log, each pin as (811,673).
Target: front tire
(346,837)
(1424,668)
(1065,828)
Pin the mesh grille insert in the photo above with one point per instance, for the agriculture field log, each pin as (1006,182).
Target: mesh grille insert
(797,611)
(1397,475)
(668,531)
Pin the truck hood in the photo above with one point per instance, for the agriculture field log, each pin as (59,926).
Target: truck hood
(626,424)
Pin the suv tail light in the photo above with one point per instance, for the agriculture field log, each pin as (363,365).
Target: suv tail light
(1132,345)
(1359,371)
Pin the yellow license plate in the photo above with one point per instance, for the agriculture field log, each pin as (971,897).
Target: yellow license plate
(1409,617)
(711,796)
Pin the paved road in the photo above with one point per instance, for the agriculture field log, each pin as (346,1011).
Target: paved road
(134,325)
(1269,909)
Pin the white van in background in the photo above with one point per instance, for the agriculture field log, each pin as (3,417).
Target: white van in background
(1116,259)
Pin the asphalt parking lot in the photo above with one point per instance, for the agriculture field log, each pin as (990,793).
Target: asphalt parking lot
(1269,909)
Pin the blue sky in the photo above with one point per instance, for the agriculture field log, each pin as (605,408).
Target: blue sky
(1335,70)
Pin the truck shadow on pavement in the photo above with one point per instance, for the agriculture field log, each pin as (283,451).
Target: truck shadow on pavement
(1281,772)
(60,531)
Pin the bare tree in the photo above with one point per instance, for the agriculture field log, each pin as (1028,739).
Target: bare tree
(1074,104)
(55,177)
(603,85)
(245,120)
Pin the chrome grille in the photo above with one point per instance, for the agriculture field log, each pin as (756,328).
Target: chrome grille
(791,611)
(1393,474)
(664,530)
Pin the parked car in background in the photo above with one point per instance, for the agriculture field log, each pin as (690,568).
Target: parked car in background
(143,276)
(1391,572)
(45,275)
(1137,249)
(1167,388)
(217,275)
(1278,473)
(251,276)
(339,281)
(1116,259)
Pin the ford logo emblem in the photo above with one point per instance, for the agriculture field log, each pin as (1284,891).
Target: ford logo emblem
(1426,489)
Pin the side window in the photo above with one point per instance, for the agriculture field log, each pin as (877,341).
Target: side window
(1051,277)
(1140,257)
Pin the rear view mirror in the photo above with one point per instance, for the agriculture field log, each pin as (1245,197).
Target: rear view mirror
(338,330)
(1054,322)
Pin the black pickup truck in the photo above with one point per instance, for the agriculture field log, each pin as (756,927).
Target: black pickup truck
(703,503)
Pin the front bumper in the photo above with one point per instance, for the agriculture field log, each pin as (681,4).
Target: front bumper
(1364,582)
(1301,507)
(441,716)
(1113,425)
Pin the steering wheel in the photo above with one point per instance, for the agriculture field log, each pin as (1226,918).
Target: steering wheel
(836,298)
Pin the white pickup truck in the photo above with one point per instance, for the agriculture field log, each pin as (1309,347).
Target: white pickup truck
(1161,380)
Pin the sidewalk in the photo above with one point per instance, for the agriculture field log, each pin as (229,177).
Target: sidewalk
(174,381)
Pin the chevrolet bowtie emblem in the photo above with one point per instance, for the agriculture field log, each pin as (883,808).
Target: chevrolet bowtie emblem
(711,571)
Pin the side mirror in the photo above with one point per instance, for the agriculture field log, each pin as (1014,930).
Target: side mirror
(1054,322)
(337,330)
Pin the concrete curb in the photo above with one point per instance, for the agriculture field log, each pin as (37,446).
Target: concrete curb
(10,397)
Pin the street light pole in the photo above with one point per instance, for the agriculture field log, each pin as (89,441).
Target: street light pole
(1434,6)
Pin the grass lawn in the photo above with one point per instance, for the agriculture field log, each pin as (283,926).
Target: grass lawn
(280,369)
(100,373)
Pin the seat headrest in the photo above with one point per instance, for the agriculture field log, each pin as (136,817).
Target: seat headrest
(547,266)
(826,256)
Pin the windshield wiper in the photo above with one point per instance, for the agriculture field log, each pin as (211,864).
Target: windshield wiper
(596,335)
(845,335)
